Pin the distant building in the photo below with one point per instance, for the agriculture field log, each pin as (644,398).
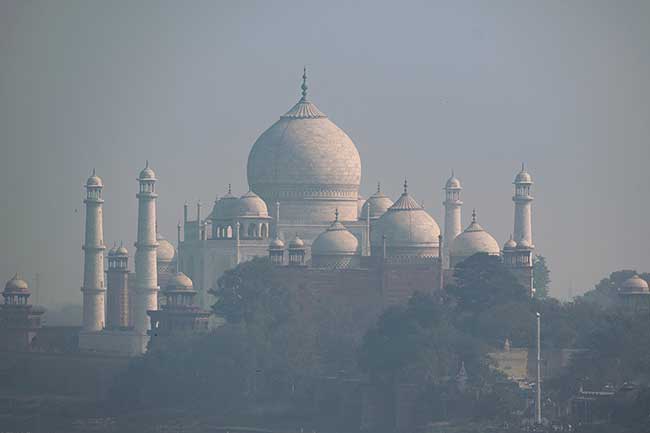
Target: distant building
(19,320)
(178,317)
(634,294)
(307,171)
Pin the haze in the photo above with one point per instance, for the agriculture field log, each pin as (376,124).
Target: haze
(421,88)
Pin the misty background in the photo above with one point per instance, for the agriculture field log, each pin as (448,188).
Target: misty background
(420,87)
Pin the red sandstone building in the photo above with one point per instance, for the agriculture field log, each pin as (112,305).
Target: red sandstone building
(19,320)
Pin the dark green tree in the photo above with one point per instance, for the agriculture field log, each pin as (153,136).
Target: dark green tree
(416,342)
(278,322)
(605,293)
(208,372)
(541,276)
(482,281)
(241,291)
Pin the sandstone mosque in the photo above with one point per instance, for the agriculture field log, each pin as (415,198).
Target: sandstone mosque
(303,209)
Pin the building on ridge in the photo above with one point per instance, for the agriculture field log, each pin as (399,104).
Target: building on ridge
(178,316)
(19,320)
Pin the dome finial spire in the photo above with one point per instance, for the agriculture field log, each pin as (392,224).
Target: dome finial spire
(336,215)
(378,187)
(406,186)
(523,166)
(304,84)
(93,171)
(229,188)
(473,215)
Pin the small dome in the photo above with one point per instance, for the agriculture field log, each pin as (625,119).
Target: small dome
(16,285)
(251,205)
(510,244)
(226,208)
(408,228)
(524,244)
(453,183)
(147,173)
(276,244)
(296,243)
(635,284)
(111,252)
(165,252)
(94,181)
(523,176)
(121,251)
(378,204)
(336,240)
(474,240)
(179,282)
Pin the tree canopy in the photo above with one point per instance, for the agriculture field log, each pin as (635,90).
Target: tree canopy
(541,276)
(483,281)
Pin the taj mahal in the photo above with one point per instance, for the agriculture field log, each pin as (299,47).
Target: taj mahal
(304,211)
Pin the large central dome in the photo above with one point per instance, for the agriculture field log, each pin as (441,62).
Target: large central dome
(308,164)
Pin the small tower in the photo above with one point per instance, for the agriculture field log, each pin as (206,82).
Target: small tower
(117,308)
(519,258)
(93,288)
(297,252)
(276,251)
(19,321)
(635,294)
(146,275)
(179,316)
(523,207)
(461,378)
(453,227)
(276,222)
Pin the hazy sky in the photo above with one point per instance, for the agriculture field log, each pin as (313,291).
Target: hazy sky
(421,87)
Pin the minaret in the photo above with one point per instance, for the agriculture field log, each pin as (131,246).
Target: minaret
(146,273)
(237,243)
(523,204)
(117,311)
(452,205)
(277,220)
(93,288)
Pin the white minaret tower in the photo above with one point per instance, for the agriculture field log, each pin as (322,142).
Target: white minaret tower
(452,205)
(146,273)
(523,208)
(93,289)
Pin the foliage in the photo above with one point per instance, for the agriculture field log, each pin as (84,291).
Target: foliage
(276,321)
(482,281)
(605,293)
(274,337)
(240,290)
(541,276)
(203,372)
(616,350)
(418,343)
(414,341)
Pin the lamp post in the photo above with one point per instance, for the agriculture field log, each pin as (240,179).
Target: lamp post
(538,388)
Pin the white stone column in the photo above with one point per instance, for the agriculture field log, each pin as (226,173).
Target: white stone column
(146,272)
(523,229)
(93,289)
(453,226)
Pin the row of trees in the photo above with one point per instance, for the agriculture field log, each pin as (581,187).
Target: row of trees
(274,344)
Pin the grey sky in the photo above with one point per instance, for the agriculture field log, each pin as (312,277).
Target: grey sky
(421,88)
